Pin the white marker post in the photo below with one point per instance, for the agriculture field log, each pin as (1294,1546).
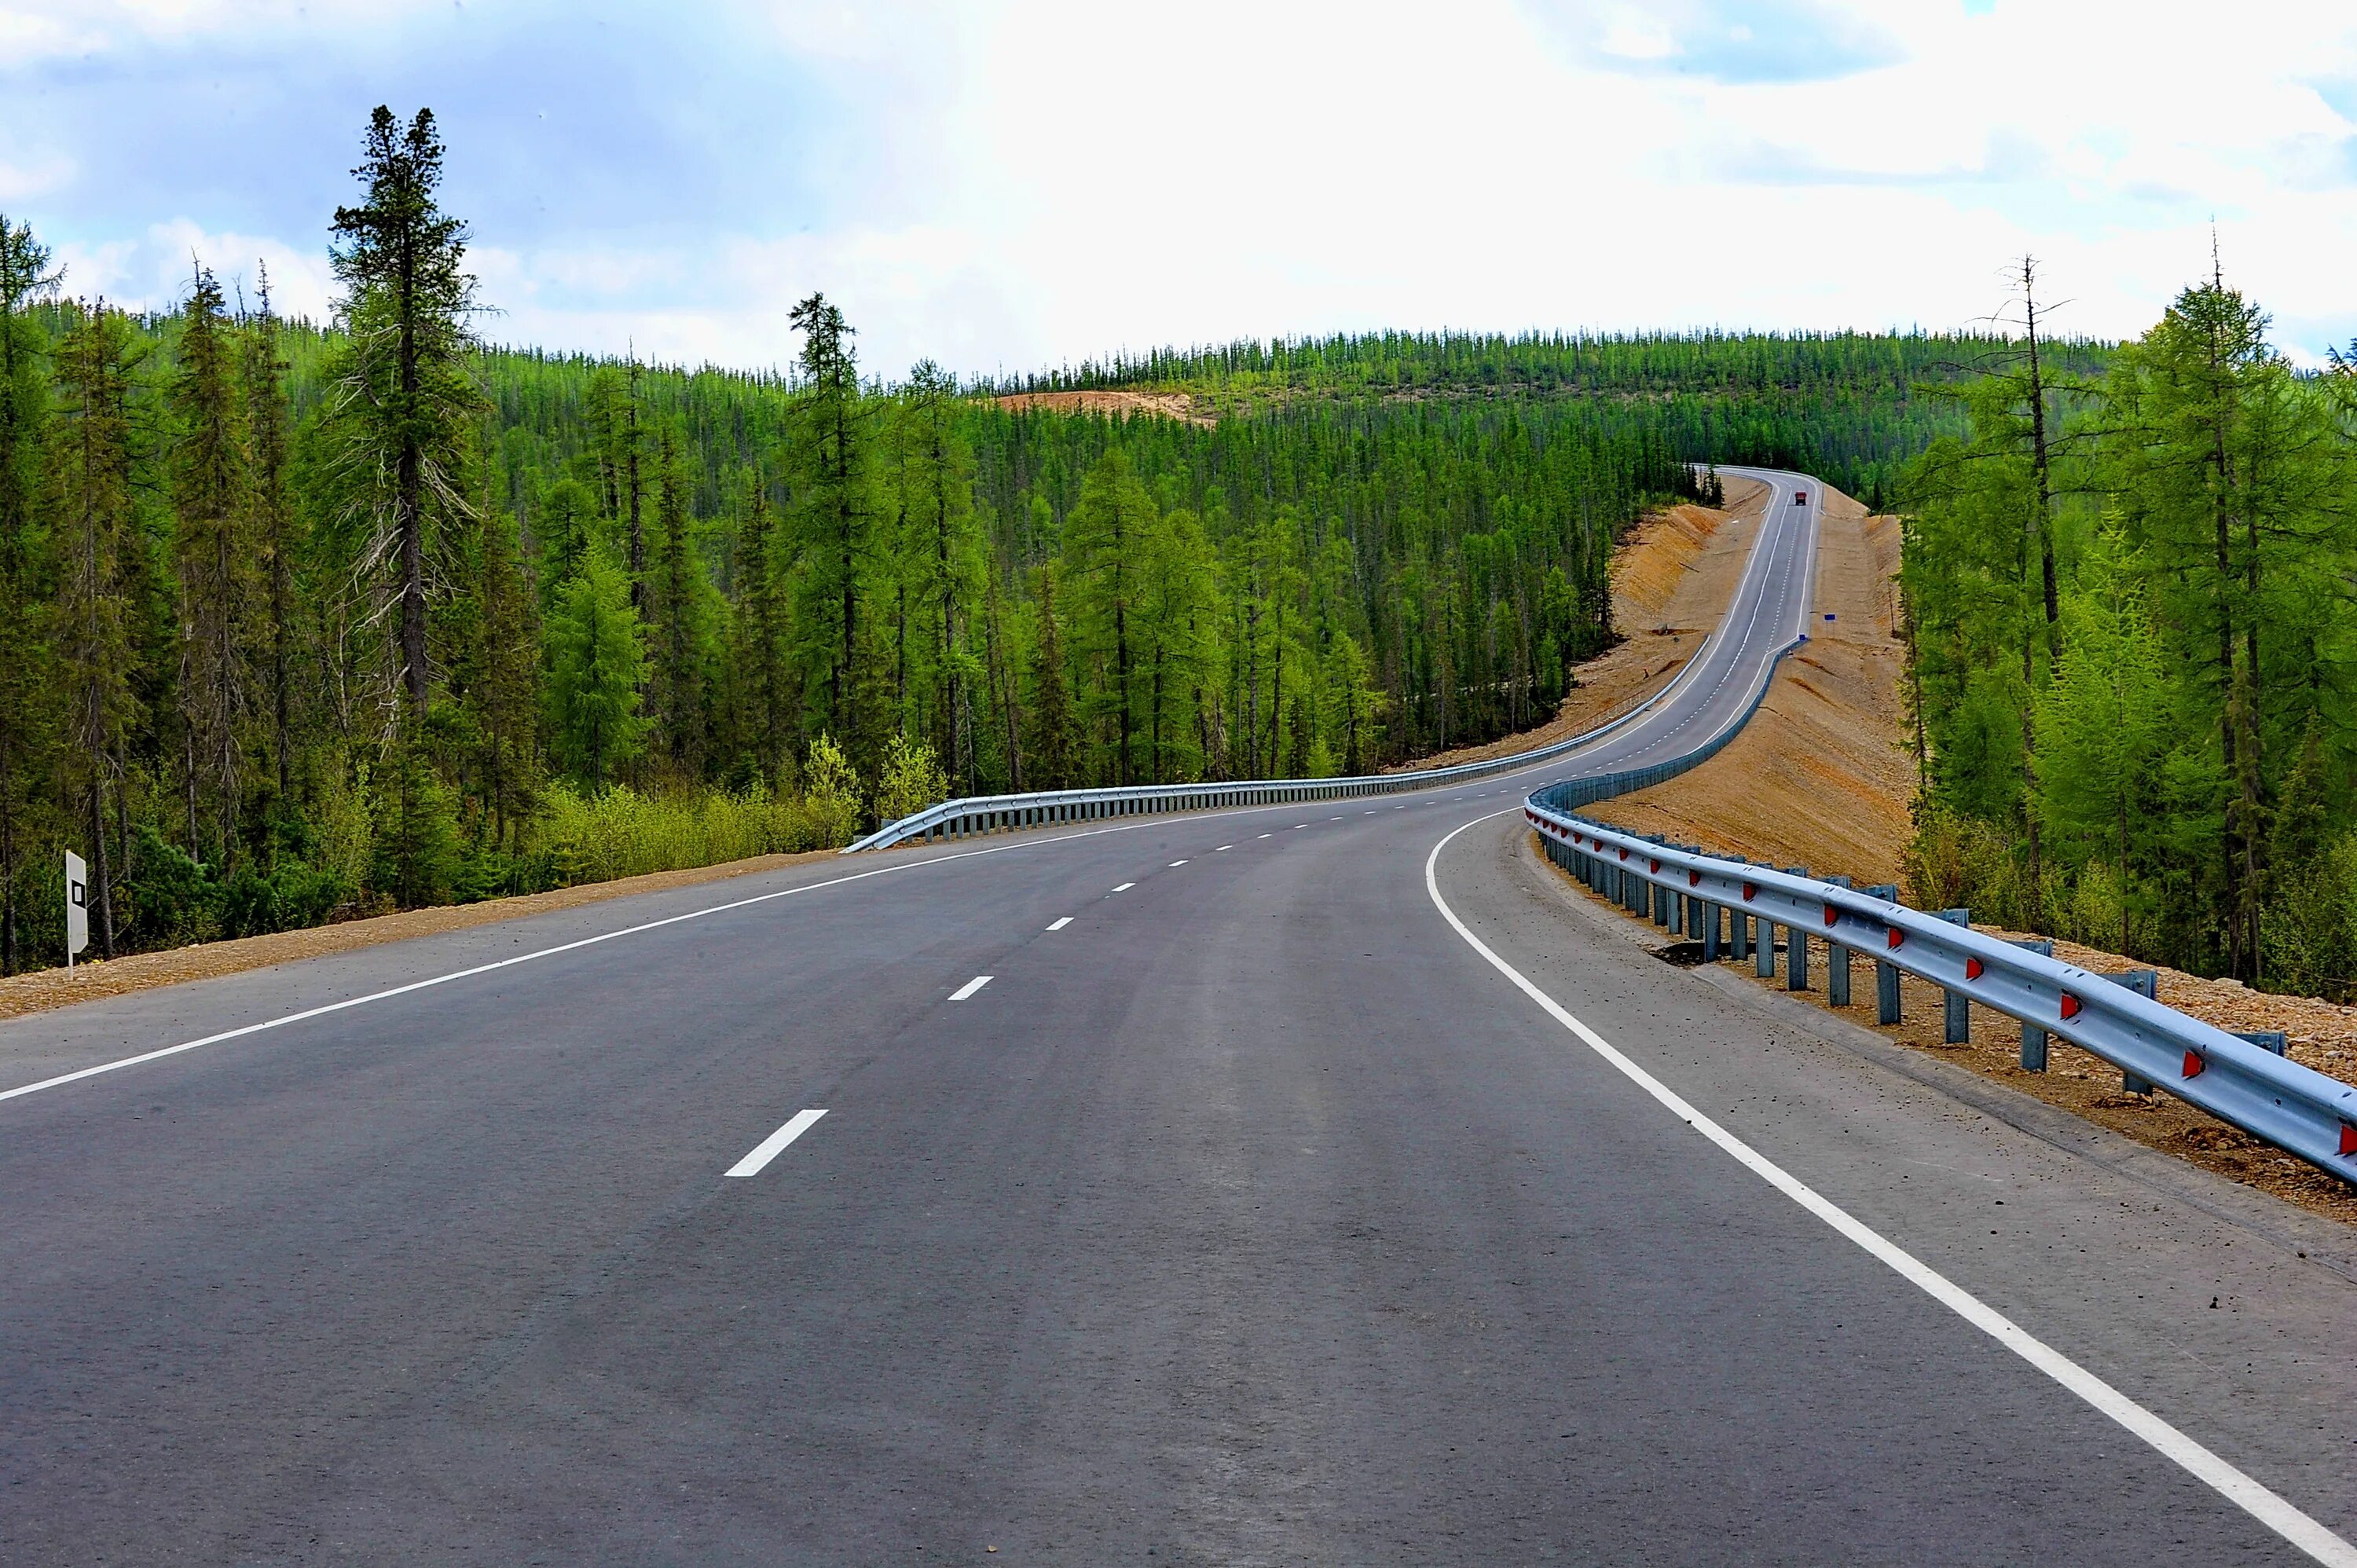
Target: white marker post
(77,908)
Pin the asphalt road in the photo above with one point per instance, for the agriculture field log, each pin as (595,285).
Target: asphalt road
(1245,1214)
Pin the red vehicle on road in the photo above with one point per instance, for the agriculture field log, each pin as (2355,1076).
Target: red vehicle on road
(1800,498)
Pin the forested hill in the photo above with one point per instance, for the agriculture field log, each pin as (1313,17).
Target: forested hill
(298,620)
(1851,406)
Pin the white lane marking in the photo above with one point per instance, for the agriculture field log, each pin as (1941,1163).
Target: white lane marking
(1177,863)
(2268,1508)
(1125,887)
(1060,922)
(770,1147)
(1753,564)
(969,988)
(1224,848)
(1333,819)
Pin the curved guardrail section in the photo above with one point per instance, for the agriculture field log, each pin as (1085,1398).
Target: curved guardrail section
(2296,1108)
(999,813)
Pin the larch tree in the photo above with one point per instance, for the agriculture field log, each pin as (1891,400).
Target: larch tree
(597,667)
(215,554)
(273,527)
(99,539)
(833,513)
(28,709)
(1106,538)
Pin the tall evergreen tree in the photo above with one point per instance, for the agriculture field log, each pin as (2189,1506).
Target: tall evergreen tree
(268,423)
(404,405)
(215,556)
(596,663)
(835,513)
(102,559)
(28,703)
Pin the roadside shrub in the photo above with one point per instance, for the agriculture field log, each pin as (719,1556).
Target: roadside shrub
(908,780)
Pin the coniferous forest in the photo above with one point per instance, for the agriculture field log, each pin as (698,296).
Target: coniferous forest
(2133,605)
(304,621)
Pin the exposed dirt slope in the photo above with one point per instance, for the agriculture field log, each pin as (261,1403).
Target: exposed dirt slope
(1672,578)
(1169,405)
(1820,777)
(1823,778)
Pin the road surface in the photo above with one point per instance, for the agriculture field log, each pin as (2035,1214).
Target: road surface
(1244,1213)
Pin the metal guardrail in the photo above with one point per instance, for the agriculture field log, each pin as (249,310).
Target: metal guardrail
(2295,1108)
(999,813)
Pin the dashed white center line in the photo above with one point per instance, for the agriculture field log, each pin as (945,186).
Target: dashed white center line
(1177,863)
(768,1148)
(1061,923)
(1263,835)
(1333,819)
(969,988)
(1229,846)
(1125,887)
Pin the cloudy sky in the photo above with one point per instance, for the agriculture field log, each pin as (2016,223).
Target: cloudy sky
(1004,187)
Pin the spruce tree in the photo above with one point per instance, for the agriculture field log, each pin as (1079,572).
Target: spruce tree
(402,405)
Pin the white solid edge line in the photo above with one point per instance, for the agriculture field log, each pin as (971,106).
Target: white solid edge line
(429,982)
(60,1079)
(2244,1492)
(969,988)
(770,1147)
(1059,922)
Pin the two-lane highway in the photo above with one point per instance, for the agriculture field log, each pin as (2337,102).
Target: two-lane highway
(1186,1190)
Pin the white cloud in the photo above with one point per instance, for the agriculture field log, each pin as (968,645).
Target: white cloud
(1054,179)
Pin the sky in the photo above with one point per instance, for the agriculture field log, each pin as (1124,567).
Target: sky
(1008,187)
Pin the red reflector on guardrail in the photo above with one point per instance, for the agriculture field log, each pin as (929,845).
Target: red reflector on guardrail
(1896,935)
(2193,1063)
(1694,878)
(1832,913)
(2348,1139)
(1624,854)
(2070,1005)
(1656,866)
(1750,891)
(1972,969)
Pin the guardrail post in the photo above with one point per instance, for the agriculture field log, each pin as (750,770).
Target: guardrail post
(2033,1036)
(1886,975)
(2274,1041)
(1739,923)
(1796,946)
(1764,954)
(1710,937)
(2145,982)
(1836,961)
(1957,1022)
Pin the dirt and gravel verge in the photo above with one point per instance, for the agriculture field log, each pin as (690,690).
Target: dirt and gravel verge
(1823,777)
(48,988)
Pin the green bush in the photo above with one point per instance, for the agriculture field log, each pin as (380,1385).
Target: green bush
(578,839)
